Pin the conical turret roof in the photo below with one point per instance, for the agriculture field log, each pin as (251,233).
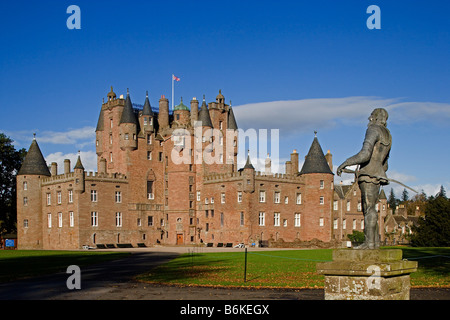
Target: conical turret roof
(147,110)
(204,116)
(100,125)
(315,161)
(231,120)
(79,165)
(128,115)
(181,106)
(34,162)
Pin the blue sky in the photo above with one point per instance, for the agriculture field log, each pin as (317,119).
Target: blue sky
(296,66)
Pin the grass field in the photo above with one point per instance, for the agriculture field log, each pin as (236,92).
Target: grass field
(17,264)
(288,269)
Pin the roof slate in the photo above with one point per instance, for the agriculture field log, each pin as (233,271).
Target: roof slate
(34,162)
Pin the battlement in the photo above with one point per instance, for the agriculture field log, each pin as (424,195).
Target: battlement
(260,176)
(89,176)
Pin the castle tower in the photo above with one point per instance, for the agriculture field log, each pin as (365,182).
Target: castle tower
(99,132)
(146,119)
(317,194)
(29,201)
(79,186)
(181,114)
(231,138)
(248,176)
(128,126)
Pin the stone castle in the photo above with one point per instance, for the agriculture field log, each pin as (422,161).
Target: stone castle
(143,196)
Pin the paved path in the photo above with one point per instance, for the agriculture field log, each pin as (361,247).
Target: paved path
(113,280)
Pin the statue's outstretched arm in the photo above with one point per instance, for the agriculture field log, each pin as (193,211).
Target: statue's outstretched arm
(366,151)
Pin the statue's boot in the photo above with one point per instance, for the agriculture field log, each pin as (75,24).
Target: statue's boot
(365,246)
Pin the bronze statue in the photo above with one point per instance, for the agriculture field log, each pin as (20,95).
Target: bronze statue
(373,164)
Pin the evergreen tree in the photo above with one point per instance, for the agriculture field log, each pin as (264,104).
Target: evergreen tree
(405,195)
(433,230)
(10,162)
(392,201)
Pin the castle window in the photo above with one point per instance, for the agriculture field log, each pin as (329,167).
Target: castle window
(139,223)
(118,219)
(25,223)
(335,224)
(222,197)
(94,219)
(160,157)
(239,196)
(362,224)
(126,136)
(25,185)
(220,125)
(321,222)
(118,197)
(348,205)
(221,219)
(49,199)
(70,196)
(344,224)
(262,219)
(286,200)
(206,201)
(94,195)
(149,155)
(262,196)
(277,196)
(321,184)
(297,220)
(242,219)
(145,121)
(212,199)
(111,123)
(25,201)
(149,139)
(360,207)
(60,219)
(110,139)
(276,219)
(49,220)
(335,205)
(284,222)
(354,224)
(299,198)
(110,157)
(71,219)
(321,200)
(150,194)
(150,221)
(58,197)
(198,196)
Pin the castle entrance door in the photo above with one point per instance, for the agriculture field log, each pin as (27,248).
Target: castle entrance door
(179,238)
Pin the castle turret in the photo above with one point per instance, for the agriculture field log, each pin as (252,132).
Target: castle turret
(99,132)
(146,118)
(181,114)
(317,194)
(128,126)
(248,176)
(79,186)
(29,201)
(203,115)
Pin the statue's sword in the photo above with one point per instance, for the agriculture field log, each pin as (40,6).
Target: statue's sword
(383,178)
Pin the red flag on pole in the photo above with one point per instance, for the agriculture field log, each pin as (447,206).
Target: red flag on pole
(175,78)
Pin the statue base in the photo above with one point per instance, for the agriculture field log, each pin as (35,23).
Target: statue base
(379,274)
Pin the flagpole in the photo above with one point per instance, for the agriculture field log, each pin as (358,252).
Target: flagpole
(172,92)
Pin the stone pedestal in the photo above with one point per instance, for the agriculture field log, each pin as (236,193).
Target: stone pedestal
(379,274)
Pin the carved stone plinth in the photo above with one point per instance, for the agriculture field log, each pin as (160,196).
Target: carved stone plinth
(379,274)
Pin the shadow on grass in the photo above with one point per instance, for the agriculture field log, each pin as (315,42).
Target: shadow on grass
(186,269)
(433,261)
(24,264)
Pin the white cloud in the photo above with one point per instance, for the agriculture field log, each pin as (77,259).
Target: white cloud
(295,116)
(88,159)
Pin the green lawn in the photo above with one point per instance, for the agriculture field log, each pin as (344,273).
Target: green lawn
(288,269)
(17,264)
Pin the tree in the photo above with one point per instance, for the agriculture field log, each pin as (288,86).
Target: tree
(405,195)
(10,162)
(392,201)
(433,230)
